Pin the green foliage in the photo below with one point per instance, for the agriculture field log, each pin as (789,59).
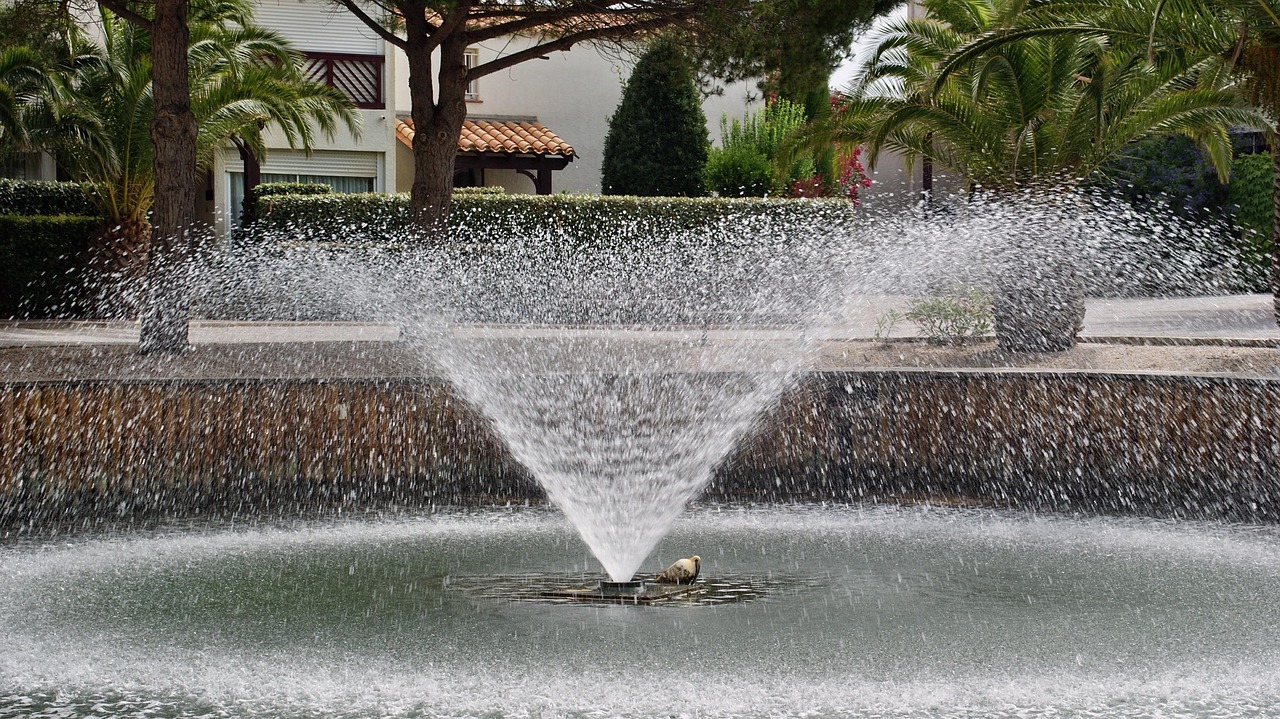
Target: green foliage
(765,129)
(376,218)
(739,171)
(39,25)
(41,264)
(29,197)
(1167,171)
(885,324)
(245,81)
(275,189)
(1251,196)
(793,44)
(733,168)
(1032,107)
(480,190)
(657,143)
(954,317)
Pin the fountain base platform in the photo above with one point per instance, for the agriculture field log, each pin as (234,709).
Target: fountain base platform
(627,592)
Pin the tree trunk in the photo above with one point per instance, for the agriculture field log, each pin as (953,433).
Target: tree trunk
(1039,298)
(1275,227)
(251,179)
(173,136)
(437,124)
(117,266)
(926,173)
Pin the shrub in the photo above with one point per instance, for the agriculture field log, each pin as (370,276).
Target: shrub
(961,314)
(739,171)
(657,143)
(480,190)
(275,189)
(1169,171)
(759,134)
(1251,198)
(42,263)
(29,197)
(763,130)
(377,218)
(733,169)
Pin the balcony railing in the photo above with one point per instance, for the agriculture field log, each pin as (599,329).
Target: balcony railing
(358,76)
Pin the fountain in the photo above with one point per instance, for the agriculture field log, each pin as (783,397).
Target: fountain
(625,386)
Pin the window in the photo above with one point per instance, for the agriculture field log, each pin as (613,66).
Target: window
(472,58)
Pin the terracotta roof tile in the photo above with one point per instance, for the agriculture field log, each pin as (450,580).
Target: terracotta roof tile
(501,136)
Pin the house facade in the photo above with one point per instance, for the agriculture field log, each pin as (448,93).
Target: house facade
(342,52)
(537,127)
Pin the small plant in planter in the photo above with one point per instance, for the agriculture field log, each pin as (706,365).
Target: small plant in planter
(961,314)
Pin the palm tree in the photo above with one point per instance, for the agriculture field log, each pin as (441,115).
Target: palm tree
(23,83)
(244,81)
(1239,40)
(1041,112)
(1046,110)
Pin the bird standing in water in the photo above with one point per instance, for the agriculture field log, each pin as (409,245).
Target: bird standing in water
(684,571)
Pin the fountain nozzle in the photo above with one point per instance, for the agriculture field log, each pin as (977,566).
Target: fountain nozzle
(622,589)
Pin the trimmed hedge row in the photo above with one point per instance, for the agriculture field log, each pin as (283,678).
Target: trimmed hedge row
(30,197)
(275,189)
(42,264)
(587,219)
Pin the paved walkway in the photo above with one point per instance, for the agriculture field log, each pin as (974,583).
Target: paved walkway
(1236,319)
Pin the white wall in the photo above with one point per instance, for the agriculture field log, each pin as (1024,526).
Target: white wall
(318,26)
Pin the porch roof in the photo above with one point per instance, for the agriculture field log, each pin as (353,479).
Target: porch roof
(499,136)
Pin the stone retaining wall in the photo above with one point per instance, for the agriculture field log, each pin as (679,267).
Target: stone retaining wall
(1191,446)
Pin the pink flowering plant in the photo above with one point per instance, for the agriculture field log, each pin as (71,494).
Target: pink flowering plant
(748,163)
(850,179)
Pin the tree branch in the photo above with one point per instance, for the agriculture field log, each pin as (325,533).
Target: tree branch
(553,17)
(374,25)
(119,8)
(451,24)
(566,42)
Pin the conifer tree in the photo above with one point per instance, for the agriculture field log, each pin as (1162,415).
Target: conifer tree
(657,142)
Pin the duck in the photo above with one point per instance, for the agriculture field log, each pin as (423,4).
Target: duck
(683,571)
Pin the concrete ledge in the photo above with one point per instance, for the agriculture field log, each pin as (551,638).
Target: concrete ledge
(1169,444)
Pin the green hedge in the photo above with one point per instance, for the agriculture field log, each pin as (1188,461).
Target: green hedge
(42,264)
(591,219)
(29,197)
(275,189)
(1251,198)
(486,190)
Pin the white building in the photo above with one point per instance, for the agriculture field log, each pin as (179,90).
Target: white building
(564,100)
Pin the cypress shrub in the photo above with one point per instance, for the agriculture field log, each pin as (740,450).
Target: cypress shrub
(42,264)
(31,197)
(657,143)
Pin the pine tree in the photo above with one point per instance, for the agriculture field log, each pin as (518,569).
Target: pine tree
(657,142)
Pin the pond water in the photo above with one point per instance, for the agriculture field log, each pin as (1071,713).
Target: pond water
(817,611)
